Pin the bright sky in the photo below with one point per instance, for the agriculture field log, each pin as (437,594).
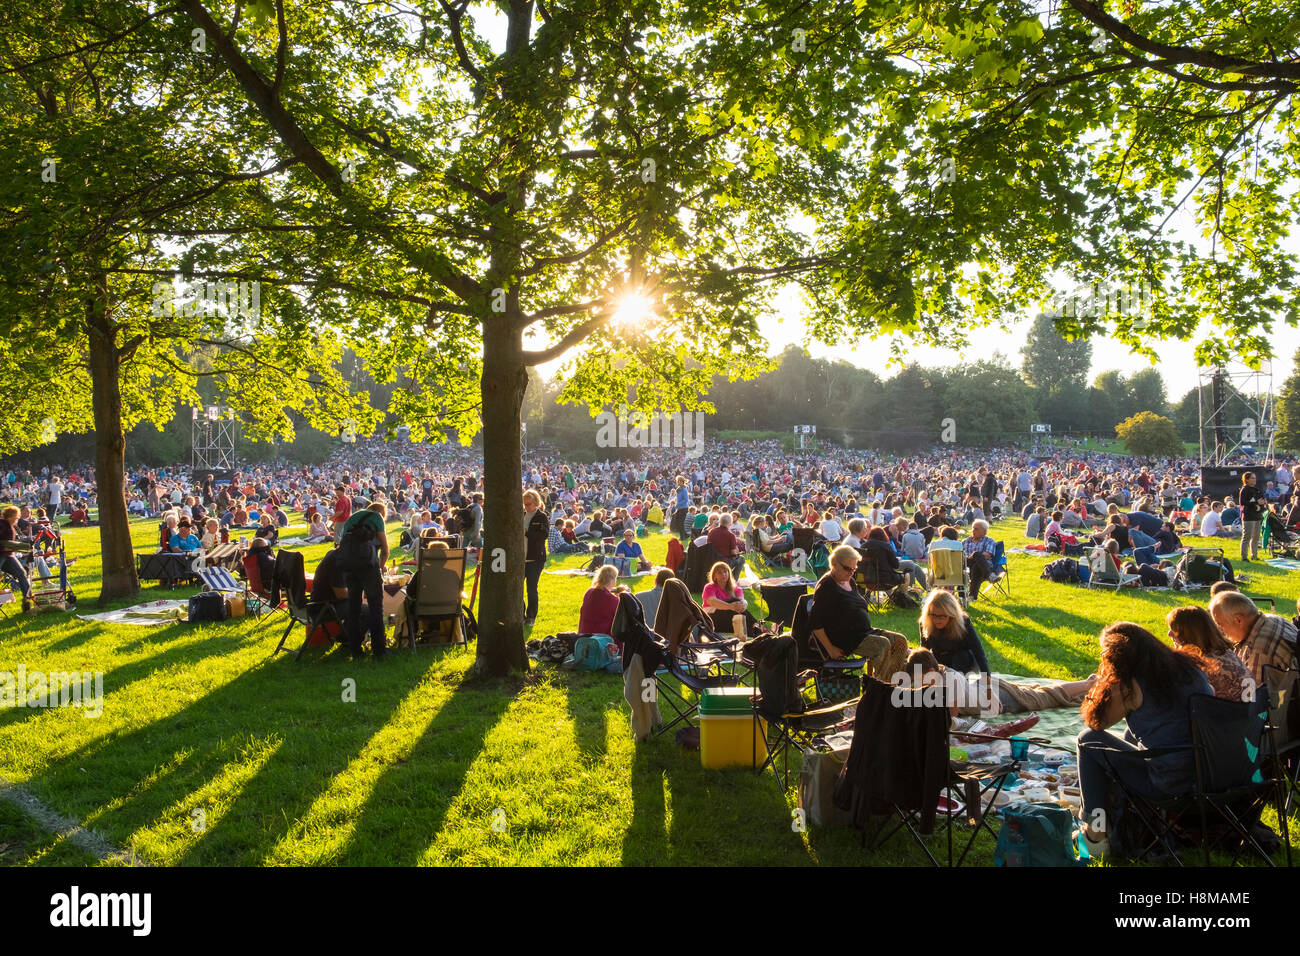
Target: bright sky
(1177,364)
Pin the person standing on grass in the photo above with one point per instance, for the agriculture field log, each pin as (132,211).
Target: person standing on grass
(681,507)
(363,551)
(342,512)
(537,527)
(1252,515)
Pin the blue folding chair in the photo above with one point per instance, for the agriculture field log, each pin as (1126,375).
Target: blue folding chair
(1000,574)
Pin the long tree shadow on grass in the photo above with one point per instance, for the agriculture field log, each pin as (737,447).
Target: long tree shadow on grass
(733,814)
(295,712)
(191,652)
(407,806)
(588,713)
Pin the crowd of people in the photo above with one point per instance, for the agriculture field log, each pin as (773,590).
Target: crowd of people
(752,502)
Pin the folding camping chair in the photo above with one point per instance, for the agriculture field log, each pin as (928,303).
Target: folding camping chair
(875,579)
(1203,566)
(1281,541)
(786,717)
(999,579)
(1103,573)
(436,599)
(838,678)
(58,598)
(755,557)
(1228,743)
(1282,755)
(698,562)
(697,666)
(948,570)
(321,620)
(431,535)
(899,763)
(165,567)
(259,590)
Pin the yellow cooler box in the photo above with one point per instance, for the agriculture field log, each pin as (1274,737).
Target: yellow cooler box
(729,734)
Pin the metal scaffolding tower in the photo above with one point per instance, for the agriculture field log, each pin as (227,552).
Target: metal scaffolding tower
(1237,410)
(213,440)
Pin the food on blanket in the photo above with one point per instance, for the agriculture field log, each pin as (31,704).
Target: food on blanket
(1009,729)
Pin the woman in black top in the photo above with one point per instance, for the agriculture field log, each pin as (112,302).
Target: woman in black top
(1252,515)
(948,633)
(537,528)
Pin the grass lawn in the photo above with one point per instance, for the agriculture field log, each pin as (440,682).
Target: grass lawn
(212,752)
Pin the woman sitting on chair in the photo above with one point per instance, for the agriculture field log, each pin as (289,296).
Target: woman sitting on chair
(600,603)
(1147,683)
(1194,633)
(724,600)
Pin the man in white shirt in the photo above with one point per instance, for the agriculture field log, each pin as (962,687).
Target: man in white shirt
(1212,523)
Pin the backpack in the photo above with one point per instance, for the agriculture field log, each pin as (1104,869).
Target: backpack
(902,597)
(1062,571)
(357,551)
(594,652)
(207,606)
(1039,834)
(777,671)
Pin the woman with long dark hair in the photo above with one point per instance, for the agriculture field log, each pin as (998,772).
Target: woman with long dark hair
(1147,683)
(1194,633)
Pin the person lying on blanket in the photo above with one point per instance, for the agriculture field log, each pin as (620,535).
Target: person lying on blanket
(988,696)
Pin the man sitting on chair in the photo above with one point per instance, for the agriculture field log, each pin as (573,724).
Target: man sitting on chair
(979,549)
(842,625)
(724,542)
(327,583)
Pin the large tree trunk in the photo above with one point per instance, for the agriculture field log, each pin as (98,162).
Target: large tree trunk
(501,606)
(118,577)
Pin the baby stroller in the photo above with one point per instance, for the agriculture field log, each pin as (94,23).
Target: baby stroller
(1280,539)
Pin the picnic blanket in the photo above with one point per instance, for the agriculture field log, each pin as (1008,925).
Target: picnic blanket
(150,613)
(1060,725)
(1286,564)
(584,573)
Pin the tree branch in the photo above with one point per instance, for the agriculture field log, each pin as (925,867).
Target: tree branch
(454,17)
(568,341)
(281,47)
(1224,63)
